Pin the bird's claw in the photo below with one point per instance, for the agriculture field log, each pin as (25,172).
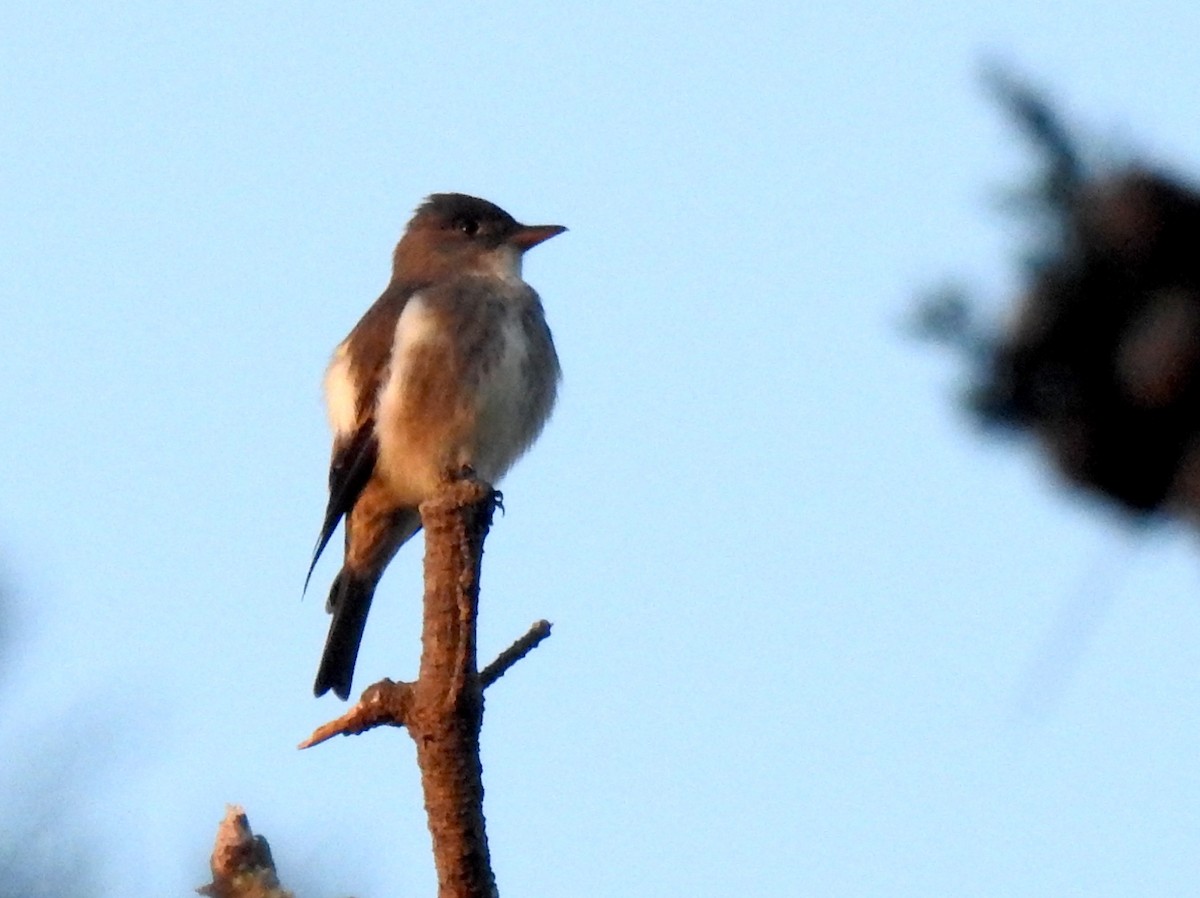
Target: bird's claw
(466,472)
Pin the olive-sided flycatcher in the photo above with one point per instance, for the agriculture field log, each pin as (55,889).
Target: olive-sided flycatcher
(452,366)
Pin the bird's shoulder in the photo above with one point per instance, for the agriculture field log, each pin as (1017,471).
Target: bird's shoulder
(369,344)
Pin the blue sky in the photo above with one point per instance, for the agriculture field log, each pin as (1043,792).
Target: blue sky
(813,635)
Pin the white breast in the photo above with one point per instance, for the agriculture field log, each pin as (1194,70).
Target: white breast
(484,410)
(502,430)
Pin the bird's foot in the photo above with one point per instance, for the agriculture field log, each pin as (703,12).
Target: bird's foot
(467,473)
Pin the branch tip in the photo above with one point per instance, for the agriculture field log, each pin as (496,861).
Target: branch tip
(386,703)
(514,653)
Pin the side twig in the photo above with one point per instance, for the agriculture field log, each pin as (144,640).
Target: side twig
(514,653)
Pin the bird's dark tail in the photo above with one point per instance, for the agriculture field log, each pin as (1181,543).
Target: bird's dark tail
(349,601)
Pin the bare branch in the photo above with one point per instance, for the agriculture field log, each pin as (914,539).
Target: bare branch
(385,703)
(514,653)
(448,711)
(443,709)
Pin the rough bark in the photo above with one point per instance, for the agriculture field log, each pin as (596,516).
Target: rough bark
(447,710)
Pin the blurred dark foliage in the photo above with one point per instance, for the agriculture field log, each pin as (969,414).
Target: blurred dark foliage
(1101,360)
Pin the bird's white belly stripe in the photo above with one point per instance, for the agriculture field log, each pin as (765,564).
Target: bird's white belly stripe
(415,326)
(341,392)
(411,460)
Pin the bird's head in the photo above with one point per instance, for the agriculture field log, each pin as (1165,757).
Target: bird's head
(452,233)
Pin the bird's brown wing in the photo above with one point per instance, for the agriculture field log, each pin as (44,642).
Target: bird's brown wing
(351,467)
(355,452)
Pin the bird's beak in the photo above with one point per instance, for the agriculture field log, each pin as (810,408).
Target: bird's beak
(529,236)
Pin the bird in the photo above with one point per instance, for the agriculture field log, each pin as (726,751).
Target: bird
(453,367)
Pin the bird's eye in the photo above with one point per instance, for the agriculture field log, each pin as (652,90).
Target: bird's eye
(468,226)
